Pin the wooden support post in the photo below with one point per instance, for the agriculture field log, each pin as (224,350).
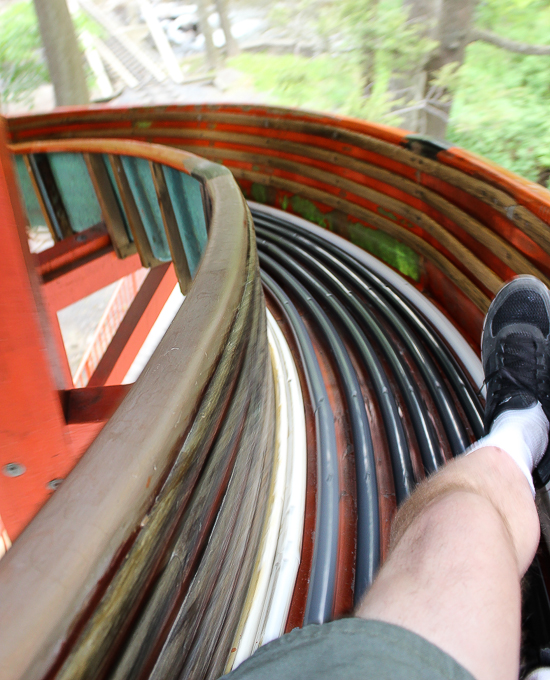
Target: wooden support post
(132,213)
(34,448)
(48,195)
(179,258)
(112,216)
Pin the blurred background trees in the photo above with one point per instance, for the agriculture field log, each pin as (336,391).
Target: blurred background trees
(65,64)
(22,67)
(476,72)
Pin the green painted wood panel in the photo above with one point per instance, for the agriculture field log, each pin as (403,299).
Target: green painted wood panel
(35,216)
(141,183)
(76,189)
(186,197)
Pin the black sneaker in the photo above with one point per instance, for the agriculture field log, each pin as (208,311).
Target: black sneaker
(515,349)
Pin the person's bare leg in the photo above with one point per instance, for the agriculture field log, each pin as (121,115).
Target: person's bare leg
(460,546)
(464,540)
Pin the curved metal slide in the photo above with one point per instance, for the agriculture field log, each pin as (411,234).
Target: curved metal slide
(317,371)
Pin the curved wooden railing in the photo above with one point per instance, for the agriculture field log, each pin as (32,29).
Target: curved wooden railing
(451,221)
(147,491)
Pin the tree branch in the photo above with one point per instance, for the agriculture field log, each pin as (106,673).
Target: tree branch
(507,44)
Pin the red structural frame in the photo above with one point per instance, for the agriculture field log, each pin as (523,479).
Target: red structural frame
(46,424)
(34,441)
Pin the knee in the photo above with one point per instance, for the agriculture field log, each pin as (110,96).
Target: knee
(491,475)
(473,525)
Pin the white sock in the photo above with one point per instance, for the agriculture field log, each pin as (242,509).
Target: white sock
(523,434)
(539,674)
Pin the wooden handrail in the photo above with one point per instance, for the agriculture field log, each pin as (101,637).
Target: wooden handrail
(64,559)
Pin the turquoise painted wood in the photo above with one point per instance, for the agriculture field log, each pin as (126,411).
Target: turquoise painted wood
(32,206)
(186,197)
(141,183)
(117,194)
(76,189)
(80,201)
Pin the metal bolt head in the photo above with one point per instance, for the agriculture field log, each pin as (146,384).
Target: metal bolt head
(14,469)
(54,484)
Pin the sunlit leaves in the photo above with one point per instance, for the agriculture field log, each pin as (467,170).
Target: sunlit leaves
(501,109)
(22,66)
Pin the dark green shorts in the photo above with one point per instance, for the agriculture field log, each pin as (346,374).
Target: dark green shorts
(349,649)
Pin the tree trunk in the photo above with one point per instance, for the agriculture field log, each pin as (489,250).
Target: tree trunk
(367,69)
(206,30)
(425,12)
(410,87)
(65,62)
(426,108)
(231,45)
(453,29)
(449,22)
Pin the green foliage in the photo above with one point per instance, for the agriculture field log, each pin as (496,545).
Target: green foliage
(523,20)
(383,28)
(22,67)
(377,107)
(365,42)
(501,105)
(500,108)
(22,63)
(447,79)
(323,83)
(312,20)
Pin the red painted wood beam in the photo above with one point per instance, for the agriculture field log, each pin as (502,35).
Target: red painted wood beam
(75,280)
(135,326)
(34,447)
(62,368)
(71,250)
